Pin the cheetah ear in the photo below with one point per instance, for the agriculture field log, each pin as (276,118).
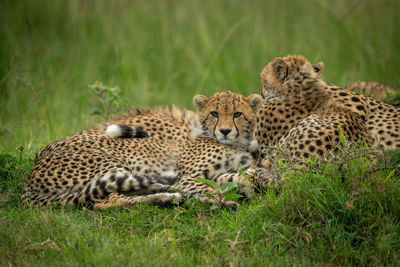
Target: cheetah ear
(255,101)
(280,68)
(319,67)
(199,101)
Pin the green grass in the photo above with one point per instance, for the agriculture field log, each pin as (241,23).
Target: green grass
(165,52)
(339,216)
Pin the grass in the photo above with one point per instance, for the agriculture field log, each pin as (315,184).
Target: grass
(164,52)
(315,218)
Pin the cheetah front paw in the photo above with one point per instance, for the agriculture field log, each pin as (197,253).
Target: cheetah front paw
(246,191)
(159,188)
(165,199)
(246,186)
(229,205)
(266,163)
(267,177)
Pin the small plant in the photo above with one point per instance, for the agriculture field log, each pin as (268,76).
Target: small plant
(110,98)
(226,192)
(21,149)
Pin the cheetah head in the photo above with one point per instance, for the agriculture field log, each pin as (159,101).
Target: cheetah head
(289,76)
(227,117)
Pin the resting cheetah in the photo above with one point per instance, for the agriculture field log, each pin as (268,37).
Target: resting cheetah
(93,168)
(303,114)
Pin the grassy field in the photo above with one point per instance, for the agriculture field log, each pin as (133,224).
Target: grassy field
(164,52)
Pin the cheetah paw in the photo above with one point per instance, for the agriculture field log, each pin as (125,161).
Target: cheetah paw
(268,177)
(230,205)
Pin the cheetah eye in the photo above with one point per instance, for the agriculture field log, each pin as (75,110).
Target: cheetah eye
(237,114)
(214,114)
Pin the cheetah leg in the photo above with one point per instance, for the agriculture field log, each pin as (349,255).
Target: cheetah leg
(320,134)
(111,182)
(83,177)
(198,190)
(151,189)
(121,182)
(119,200)
(262,178)
(250,179)
(237,178)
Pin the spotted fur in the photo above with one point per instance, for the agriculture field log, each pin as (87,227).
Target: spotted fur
(304,114)
(90,167)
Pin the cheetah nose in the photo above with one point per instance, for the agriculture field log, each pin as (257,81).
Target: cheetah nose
(225,131)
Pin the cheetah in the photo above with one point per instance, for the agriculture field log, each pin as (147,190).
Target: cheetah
(304,115)
(171,149)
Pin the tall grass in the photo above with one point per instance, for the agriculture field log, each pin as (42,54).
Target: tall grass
(164,52)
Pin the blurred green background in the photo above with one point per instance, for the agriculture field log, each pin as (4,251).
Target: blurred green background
(165,52)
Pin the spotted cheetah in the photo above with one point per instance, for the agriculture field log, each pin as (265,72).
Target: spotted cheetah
(102,168)
(304,114)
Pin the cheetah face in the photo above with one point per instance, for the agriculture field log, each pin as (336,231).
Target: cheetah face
(288,76)
(227,117)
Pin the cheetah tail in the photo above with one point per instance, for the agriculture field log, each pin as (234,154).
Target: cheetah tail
(125,131)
